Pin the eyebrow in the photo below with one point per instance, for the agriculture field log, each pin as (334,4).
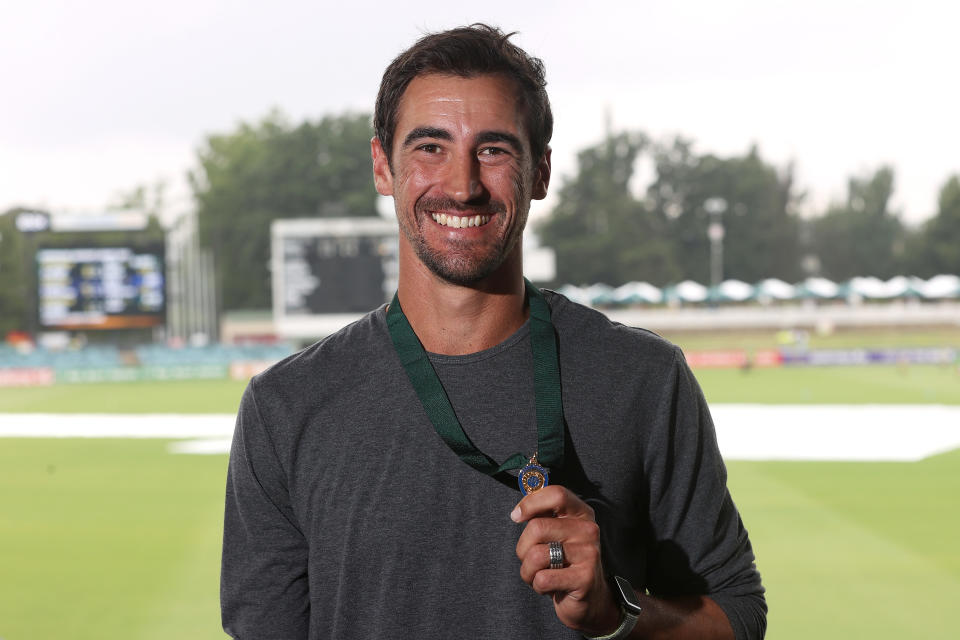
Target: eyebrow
(483,137)
(426,132)
(500,136)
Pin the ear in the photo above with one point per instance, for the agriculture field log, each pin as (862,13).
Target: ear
(382,174)
(541,176)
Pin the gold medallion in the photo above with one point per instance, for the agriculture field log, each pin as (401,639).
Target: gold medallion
(533,477)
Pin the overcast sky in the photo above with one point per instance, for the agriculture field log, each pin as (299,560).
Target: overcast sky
(103,95)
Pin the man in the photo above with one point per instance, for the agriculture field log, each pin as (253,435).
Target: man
(366,496)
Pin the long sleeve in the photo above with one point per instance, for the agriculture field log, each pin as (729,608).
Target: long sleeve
(700,544)
(264,592)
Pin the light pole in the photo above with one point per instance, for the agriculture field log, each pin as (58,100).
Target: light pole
(715,208)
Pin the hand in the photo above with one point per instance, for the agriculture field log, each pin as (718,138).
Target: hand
(581,596)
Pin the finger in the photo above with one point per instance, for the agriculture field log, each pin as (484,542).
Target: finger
(575,554)
(575,581)
(553,500)
(541,531)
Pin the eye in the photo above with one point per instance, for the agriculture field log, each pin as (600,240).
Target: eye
(429,147)
(492,151)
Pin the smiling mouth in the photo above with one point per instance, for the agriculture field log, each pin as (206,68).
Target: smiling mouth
(460,222)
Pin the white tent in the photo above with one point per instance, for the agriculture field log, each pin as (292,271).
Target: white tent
(687,291)
(818,288)
(776,289)
(634,292)
(735,290)
(942,286)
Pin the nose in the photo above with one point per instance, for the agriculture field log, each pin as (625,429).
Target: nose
(463,182)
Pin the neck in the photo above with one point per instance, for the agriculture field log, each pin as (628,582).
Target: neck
(455,320)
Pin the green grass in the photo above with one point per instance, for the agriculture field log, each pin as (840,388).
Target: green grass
(926,384)
(105,539)
(118,539)
(181,396)
(842,339)
(855,550)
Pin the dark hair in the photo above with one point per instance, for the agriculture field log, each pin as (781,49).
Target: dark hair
(466,52)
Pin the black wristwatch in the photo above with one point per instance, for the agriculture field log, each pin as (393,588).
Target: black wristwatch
(628,597)
(629,607)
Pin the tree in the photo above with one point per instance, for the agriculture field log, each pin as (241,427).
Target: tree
(14,276)
(935,248)
(150,199)
(270,170)
(861,237)
(600,231)
(754,201)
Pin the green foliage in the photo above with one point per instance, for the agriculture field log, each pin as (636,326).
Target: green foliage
(935,248)
(603,233)
(861,237)
(151,199)
(600,231)
(15,267)
(273,169)
(756,203)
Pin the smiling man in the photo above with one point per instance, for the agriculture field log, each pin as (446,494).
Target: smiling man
(478,458)
(462,174)
(470,171)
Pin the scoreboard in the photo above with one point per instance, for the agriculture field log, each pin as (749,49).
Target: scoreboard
(114,287)
(328,272)
(335,274)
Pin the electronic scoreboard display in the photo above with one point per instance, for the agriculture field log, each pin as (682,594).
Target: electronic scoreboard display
(117,287)
(327,272)
(336,274)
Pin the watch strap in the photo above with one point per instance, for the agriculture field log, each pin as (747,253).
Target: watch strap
(626,626)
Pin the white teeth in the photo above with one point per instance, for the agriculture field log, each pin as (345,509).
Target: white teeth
(460,222)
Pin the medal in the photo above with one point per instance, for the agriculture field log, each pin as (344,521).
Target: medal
(532,477)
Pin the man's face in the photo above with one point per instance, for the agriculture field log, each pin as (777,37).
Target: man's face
(462,175)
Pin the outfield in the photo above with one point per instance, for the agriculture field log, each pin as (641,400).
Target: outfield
(119,539)
(921,384)
(108,539)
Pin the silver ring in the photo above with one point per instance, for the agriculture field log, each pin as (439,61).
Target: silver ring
(557,557)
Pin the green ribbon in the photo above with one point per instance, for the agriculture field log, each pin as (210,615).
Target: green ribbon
(546,384)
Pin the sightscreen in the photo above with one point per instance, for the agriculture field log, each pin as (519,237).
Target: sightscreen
(117,287)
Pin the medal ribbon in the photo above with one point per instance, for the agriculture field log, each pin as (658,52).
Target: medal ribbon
(546,384)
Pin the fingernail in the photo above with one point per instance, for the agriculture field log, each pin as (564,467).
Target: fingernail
(515,514)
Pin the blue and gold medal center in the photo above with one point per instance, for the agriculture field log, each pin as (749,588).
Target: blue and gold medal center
(532,478)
